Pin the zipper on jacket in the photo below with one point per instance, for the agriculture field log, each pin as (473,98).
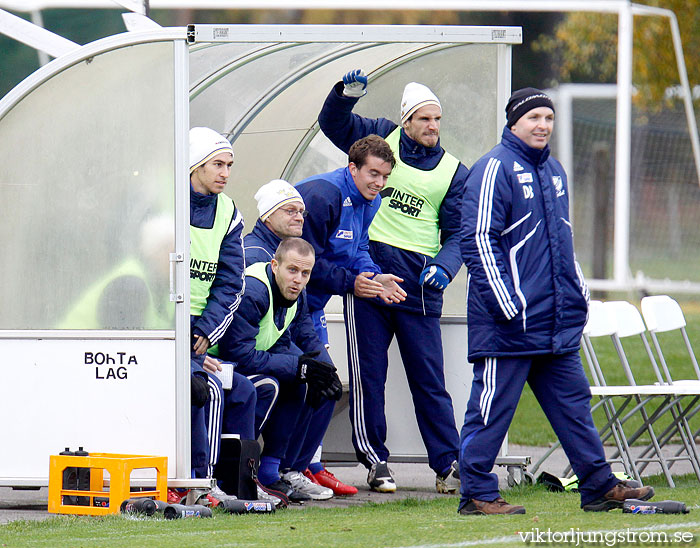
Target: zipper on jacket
(422,287)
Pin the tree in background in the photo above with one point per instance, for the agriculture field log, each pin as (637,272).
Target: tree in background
(584,49)
(530,68)
(17,61)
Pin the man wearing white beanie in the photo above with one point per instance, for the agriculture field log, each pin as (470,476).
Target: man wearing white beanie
(415,235)
(216,281)
(282,212)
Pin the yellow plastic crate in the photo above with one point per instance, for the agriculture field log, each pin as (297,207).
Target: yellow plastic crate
(119,468)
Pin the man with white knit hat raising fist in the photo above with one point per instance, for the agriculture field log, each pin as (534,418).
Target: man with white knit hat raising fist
(415,235)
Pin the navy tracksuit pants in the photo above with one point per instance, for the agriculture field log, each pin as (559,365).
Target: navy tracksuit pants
(370,329)
(280,429)
(311,423)
(562,390)
(308,434)
(243,410)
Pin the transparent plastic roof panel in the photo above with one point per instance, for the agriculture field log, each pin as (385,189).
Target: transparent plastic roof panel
(92,144)
(87,195)
(264,86)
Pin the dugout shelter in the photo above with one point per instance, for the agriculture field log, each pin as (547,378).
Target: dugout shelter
(95,191)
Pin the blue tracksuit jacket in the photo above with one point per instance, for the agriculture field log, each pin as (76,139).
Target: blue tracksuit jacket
(260,244)
(280,361)
(228,286)
(336,227)
(343,128)
(515,218)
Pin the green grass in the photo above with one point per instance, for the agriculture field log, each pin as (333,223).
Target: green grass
(410,522)
(530,426)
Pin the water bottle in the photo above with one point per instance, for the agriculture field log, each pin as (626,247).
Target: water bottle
(177,511)
(237,506)
(634,506)
(142,506)
(70,479)
(83,479)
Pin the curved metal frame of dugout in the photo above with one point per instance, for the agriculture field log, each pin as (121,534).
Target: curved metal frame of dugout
(95,156)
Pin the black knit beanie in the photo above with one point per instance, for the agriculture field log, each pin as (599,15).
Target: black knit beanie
(524,100)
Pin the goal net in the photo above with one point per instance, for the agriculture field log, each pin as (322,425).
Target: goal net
(664,192)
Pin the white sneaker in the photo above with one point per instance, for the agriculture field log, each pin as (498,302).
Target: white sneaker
(301,483)
(219,494)
(450,483)
(380,478)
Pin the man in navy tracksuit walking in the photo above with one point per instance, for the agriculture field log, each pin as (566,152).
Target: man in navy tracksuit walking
(527,305)
(415,236)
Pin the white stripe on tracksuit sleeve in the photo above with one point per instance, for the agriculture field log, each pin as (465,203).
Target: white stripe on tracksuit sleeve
(220,329)
(483,243)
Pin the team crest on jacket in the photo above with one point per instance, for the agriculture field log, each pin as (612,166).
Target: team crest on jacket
(558,185)
(344,234)
(517,167)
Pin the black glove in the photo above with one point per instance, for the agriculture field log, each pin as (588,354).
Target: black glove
(335,391)
(314,399)
(199,391)
(316,373)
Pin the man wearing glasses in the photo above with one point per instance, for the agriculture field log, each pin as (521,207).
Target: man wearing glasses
(282,212)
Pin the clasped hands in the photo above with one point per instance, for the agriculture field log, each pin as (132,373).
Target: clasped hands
(384,286)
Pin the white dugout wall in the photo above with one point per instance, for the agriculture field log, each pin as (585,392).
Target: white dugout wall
(94,180)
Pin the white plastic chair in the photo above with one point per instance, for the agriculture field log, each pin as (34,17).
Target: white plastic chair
(629,324)
(606,321)
(600,324)
(663,314)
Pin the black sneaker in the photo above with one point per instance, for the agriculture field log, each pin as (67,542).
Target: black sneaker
(291,493)
(380,478)
(279,498)
(616,497)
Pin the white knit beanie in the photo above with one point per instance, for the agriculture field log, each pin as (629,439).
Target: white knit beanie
(275,194)
(415,96)
(206,143)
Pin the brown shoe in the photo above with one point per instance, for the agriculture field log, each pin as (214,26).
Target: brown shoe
(482,507)
(617,496)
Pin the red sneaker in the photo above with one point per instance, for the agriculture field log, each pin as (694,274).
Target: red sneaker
(309,475)
(327,479)
(175,495)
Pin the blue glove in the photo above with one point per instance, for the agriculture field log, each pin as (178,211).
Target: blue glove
(355,83)
(434,276)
